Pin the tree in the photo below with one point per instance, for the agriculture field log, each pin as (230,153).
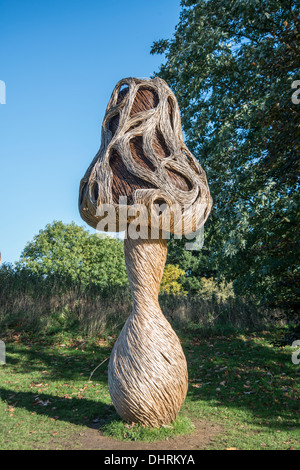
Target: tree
(70,252)
(233,66)
(169,283)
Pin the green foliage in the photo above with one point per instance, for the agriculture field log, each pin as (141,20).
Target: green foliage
(69,252)
(211,289)
(232,66)
(169,283)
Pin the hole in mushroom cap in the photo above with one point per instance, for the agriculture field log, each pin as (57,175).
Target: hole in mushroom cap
(159,201)
(146,98)
(95,191)
(159,145)
(124,182)
(160,205)
(137,151)
(122,93)
(114,123)
(179,180)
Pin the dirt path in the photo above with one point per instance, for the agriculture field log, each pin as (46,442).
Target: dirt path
(92,439)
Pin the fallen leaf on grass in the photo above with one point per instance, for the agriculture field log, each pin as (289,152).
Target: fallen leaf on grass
(37,401)
(129,426)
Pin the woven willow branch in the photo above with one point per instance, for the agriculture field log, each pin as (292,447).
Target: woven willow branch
(143,157)
(147,372)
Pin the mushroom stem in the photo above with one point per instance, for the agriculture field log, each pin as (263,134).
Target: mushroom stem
(147,372)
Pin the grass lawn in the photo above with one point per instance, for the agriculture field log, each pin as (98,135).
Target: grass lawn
(239,381)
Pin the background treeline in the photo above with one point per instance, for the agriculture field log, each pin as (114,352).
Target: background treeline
(68,279)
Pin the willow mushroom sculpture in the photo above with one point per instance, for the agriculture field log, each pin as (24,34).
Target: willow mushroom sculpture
(143,162)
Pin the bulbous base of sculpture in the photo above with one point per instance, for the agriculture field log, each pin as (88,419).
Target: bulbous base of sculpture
(147,372)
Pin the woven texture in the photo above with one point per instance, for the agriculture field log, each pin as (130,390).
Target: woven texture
(147,372)
(143,157)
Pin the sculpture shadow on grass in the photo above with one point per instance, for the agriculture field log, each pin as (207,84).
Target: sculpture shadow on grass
(84,412)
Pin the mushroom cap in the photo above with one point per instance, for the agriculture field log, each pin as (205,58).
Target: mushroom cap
(143,162)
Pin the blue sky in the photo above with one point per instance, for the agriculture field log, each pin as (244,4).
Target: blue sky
(60,61)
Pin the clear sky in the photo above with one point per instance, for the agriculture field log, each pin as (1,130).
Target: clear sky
(60,60)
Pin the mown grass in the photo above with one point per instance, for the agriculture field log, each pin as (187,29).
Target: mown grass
(237,379)
(118,429)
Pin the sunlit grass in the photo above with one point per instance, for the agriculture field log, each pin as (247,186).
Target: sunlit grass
(239,381)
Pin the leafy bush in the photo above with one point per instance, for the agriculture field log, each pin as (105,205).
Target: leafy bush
(169,283)
(70,252)
(211,289)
